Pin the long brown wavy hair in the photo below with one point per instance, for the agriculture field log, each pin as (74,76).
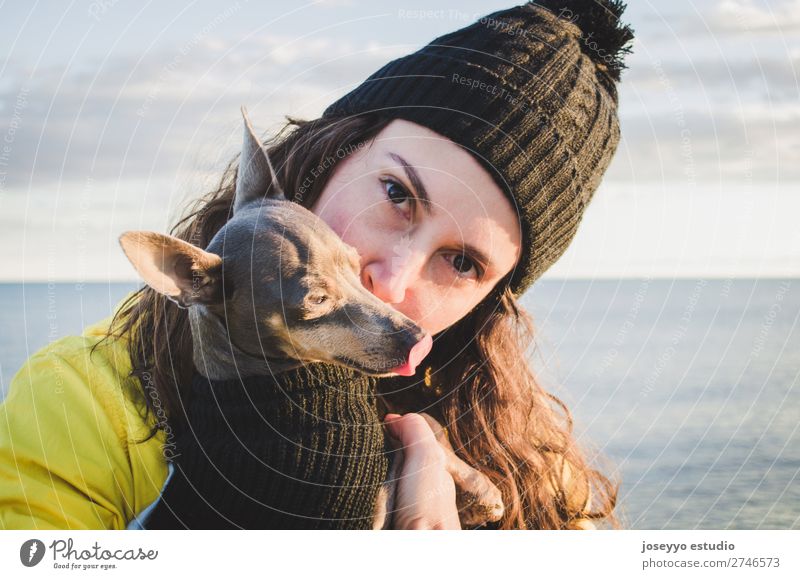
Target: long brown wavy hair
(478,382)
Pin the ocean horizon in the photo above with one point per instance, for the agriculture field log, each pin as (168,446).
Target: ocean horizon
(686,390)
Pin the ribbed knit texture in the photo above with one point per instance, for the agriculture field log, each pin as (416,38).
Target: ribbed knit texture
(529,98)
(301,450)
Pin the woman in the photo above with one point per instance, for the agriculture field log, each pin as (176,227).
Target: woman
(460,173)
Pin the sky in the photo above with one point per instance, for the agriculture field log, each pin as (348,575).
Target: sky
(116,114)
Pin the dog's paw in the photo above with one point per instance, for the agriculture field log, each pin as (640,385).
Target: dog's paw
(477,498)
(478,501)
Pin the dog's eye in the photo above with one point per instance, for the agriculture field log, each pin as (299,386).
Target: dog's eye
(316,305)
(318,299)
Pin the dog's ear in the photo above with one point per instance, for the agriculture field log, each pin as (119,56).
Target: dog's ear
(184,273)
(255,177)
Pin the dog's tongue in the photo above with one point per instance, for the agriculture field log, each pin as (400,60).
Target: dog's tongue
(415,356)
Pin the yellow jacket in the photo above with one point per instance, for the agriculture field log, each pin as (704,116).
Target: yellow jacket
(67,431)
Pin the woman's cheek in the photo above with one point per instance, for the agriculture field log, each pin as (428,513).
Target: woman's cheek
(452,304)
(431,310)
(375,234)
(346,216)
(336,222)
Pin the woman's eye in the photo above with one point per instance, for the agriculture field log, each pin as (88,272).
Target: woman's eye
(463,264)
(396,193)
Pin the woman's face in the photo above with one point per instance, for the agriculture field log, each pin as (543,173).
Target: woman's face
(434,231)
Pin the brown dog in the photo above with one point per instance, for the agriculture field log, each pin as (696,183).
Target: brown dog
(309,304)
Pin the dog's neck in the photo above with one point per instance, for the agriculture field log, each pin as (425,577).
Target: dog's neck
(216,356)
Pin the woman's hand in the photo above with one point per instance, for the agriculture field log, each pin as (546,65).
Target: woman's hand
(426,494)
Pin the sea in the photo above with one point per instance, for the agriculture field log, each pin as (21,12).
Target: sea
(685,391)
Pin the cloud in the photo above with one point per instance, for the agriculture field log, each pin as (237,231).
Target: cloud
(747,15)
(710,20)
(730,146)
(132,116)
(703,100)
(721,110)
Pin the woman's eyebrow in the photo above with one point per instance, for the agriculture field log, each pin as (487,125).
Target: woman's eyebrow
(422,193)
(416,182)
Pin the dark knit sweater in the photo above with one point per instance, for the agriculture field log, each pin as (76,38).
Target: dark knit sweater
(302,449)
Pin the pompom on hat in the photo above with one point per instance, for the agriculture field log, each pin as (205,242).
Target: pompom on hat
(531,93)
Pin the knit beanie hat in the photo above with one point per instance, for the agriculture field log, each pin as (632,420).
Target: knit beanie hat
(531,92)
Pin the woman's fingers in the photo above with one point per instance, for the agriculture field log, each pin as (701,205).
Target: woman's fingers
(426,491)
(410,428)
(418,440)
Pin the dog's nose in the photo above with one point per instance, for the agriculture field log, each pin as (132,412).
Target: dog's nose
(415,356)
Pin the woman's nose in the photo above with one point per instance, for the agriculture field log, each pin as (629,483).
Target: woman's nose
(388,278)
